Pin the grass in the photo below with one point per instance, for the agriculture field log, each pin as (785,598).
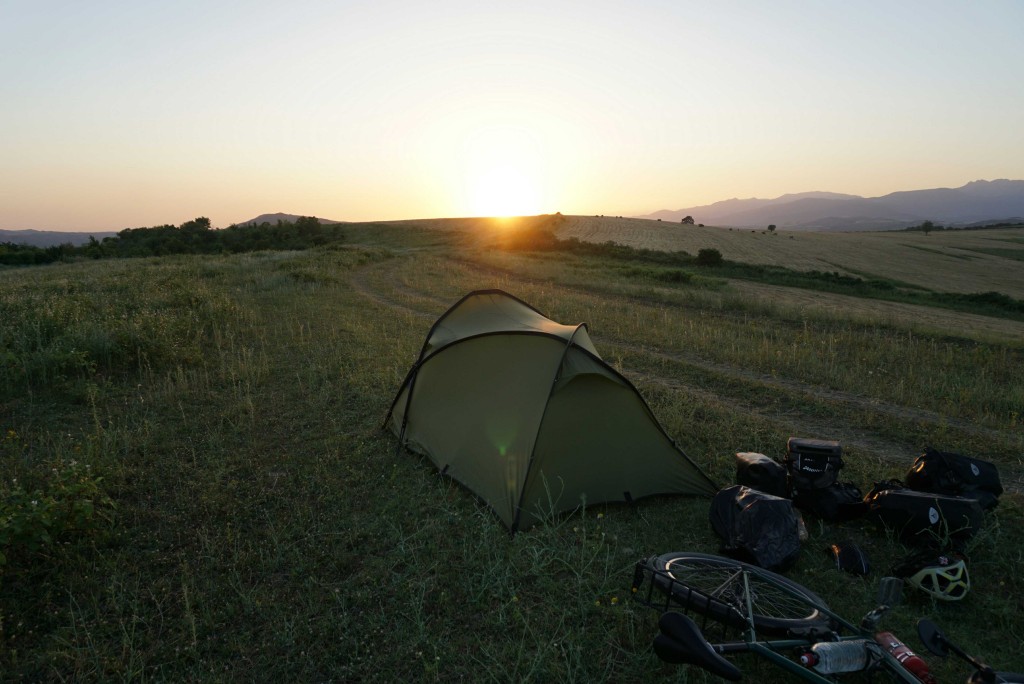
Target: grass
(263,527)
(1015,254)
(886,256)
(682,267)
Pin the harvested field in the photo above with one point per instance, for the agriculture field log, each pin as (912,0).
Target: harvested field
(953,261)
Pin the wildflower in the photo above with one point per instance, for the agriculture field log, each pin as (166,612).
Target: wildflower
(615,600)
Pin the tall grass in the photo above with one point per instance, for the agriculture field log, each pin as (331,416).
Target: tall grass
(263,527)
(934,370)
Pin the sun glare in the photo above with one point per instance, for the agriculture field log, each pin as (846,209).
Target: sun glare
(502,166)
(503,190)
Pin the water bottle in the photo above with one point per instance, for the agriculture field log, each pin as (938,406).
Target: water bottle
(833,657)
(910,661)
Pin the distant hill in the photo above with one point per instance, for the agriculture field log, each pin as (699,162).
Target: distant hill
(977,202)
(49,238)
(274,218)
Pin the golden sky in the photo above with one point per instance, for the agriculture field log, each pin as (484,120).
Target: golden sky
(125,114)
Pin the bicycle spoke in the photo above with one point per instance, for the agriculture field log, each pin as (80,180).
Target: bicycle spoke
(725,584)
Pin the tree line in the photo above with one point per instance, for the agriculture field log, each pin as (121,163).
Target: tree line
(192,237)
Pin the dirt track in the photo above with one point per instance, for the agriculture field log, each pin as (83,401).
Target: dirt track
(396,295)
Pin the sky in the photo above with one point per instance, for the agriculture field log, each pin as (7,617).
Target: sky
(133,113)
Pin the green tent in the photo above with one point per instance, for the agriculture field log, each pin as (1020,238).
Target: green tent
(523,411)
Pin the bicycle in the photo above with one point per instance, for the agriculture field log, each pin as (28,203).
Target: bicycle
(779,620)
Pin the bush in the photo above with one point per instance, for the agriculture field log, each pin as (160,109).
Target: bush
(68,503)
(709,256)
(674,276)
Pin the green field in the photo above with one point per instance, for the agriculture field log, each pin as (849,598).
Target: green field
(215,499)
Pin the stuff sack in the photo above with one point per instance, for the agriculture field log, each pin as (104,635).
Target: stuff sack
(759,472)
(812,463)
(756,527)
(923,517)
(941,472)
(839,502)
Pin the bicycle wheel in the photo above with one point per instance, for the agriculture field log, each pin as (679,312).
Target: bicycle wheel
(713,586)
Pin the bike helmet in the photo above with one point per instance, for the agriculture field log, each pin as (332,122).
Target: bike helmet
(943,576)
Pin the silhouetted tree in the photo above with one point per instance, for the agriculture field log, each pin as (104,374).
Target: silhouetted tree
(196,225)
(771,228)
(687,220)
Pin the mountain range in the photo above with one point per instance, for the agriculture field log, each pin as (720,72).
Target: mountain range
(977,202)
(50,238)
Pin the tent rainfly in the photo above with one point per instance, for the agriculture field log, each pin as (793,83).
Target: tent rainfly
(523,411)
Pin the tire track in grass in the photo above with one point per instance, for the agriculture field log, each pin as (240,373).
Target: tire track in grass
(797,422)
(360,280)
(871,443)
(904,413)
(852,437)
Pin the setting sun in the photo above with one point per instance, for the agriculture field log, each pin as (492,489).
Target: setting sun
(502,166)
(503,191)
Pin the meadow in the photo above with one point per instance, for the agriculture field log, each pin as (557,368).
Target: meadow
(216,500)
(955,261)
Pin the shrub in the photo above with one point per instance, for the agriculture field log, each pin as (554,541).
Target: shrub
(69,503)
(709,256)
(674,276)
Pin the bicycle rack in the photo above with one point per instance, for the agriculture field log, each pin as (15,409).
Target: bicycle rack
(676,596)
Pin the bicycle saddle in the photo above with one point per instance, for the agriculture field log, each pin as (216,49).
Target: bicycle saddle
(680,642)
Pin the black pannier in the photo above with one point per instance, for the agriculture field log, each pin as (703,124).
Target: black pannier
(756,527)
(839,502)
(812,463)
(762,473)
(952,474)
(923,517)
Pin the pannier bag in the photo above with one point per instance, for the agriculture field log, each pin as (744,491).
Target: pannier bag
(812,463)
(952,474)
(762,473)
(922,517)
(756,527)
(839,502)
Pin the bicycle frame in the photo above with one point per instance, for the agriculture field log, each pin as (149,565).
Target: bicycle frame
(772,650)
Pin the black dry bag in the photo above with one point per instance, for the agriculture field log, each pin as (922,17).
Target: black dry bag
(759,472)
(839,502)
(952,474)
(922,517)
(756,527)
